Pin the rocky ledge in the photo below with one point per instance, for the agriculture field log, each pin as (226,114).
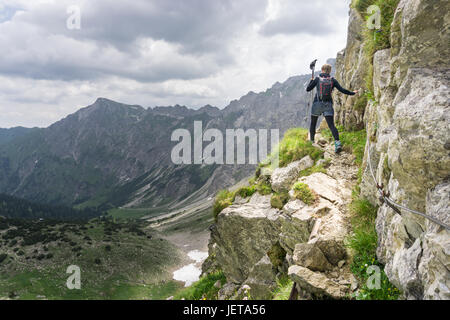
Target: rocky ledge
(255,243)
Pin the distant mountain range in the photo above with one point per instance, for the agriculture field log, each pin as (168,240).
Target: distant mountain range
(6,135)
(111,154)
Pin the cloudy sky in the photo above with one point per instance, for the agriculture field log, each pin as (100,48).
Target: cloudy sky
(155,52)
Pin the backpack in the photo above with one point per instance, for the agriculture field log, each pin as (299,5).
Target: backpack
(324,88)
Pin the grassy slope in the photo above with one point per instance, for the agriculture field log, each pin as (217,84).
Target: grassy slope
(135,267)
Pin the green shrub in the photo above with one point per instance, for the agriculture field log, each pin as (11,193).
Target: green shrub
(223,200)
(264,187)
(278,200)
(203,289)
(246,192)
(3,257)
(302,192)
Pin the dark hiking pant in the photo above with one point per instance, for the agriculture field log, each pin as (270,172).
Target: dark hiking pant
(330,122)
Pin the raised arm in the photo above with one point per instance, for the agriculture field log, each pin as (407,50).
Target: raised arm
(312,84)
(345,91)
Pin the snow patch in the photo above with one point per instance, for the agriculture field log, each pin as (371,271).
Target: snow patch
(191,272)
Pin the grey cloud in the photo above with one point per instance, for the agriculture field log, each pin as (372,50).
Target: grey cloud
(308,17)
(196,25)
(38,44)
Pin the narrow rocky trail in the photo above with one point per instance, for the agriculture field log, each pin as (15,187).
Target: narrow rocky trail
(331,276)
(255,242)
(343,168)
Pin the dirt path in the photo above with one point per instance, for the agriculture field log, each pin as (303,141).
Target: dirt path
(343,168)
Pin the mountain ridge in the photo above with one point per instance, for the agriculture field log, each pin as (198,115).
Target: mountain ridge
(111,148)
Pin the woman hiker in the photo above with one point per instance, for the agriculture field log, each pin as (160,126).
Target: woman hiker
(323,103)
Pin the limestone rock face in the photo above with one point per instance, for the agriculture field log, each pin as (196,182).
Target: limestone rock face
(408,130)
(351,67)
(282,178)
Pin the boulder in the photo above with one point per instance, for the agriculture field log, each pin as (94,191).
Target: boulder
(296,228)
(282,178)
(308,255)
(316,283)
(293,206)
(333,250)
(244,234)
(326,187)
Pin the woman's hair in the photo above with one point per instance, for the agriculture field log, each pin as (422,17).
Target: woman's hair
(326,68)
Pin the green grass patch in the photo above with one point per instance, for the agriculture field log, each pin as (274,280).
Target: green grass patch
(128,213)
(363,242)
(304,193)
(315,169)
(278,200)
(357,142)
(203,289)
(264,187)
(295,146)
(246,192)
(375,40)
(378,39)
(353,141)
(284,287)
(223,200)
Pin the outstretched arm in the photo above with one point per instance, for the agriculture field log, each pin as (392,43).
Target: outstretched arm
(344,91)
(312,84)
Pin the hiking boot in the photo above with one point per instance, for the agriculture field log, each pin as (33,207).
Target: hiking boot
(337,146)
